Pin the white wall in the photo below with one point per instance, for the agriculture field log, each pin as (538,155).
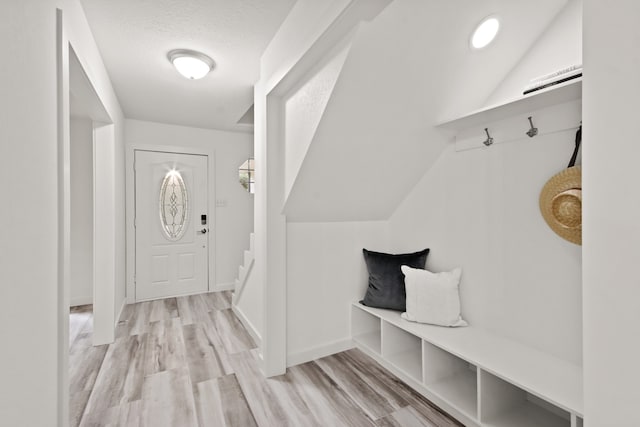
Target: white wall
(478,209)
(233,222)
(611,230)
(81,142)
(29,246)
(325,273)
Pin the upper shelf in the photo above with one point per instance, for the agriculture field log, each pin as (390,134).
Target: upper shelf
(554,95)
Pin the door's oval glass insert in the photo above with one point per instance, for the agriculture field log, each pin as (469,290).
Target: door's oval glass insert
(174,206)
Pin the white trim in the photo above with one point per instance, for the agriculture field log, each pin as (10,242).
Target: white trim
(248,325)
(76,301)
(64,217)
(242,281)
(104,231)
(130,208)
(319,352)
(229,286)
(124,303)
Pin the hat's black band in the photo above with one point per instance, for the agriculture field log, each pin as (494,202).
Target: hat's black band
(572,162)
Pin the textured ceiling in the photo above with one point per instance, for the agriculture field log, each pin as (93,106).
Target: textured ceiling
(134,37)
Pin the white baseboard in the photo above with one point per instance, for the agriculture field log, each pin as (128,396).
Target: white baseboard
(76,301)
(229,286)
(124,302)
(248,325)
(319,352)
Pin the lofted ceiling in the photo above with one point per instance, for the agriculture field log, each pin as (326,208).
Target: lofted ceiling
(134,37)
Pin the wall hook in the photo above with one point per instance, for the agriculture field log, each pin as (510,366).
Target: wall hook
(489,140)
(533,131)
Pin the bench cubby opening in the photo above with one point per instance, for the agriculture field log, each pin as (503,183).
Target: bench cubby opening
(451,378)
(403,350)
(365,330)
(503,404)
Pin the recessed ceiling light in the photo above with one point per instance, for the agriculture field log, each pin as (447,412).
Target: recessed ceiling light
(191,64)
(485,33)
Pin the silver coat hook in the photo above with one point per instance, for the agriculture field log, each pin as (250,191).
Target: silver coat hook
(489,140)
(533,131)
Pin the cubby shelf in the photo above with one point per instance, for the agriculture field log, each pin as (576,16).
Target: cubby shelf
(371,340)
(460,390)
(409,363)
(554,95)
(480,378)
(527,415)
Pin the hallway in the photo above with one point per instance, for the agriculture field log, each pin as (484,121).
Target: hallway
(188,361)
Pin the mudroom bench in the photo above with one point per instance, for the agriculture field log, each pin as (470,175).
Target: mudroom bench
(480,378)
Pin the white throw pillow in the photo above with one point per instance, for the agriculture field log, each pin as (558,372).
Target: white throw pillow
(433,297)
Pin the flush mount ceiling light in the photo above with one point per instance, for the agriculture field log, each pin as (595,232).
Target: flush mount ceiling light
(485,32)
(191,64)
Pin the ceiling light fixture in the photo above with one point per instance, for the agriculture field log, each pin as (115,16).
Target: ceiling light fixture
(191,64)
(485,32)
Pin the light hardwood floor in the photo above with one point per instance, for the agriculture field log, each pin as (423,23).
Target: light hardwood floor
(188,361)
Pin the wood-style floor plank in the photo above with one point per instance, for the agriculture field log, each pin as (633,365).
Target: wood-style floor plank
(262,401)
(125,415)
(404,417)
(206,357)
(134,319)
(221,402)
(80,320)
(164,346)
(192,309)
(373,403)
(121,374)
(326,400)
(292,402)
(218,300)
(163,309)
(167,400)
(235,337)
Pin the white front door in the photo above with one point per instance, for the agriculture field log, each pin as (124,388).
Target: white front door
(171,223)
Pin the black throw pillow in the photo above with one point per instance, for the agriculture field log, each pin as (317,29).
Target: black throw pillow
(386,281)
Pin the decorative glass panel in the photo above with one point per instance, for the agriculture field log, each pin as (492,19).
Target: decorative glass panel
(174,206)
(246,175)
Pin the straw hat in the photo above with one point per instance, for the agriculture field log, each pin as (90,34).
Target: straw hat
(561,204)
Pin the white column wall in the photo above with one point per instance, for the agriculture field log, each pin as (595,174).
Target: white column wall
(326,272)
(611,208)
(29,326)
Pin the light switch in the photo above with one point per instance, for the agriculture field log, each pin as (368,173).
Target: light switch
(221,203)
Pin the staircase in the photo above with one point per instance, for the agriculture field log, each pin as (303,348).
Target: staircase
(244,270)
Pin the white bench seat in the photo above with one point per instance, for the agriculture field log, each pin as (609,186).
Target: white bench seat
(513,383)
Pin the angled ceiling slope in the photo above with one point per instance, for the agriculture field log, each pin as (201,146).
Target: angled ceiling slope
(304,107)
(405,71)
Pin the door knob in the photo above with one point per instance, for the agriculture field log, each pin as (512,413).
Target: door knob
(203,231)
